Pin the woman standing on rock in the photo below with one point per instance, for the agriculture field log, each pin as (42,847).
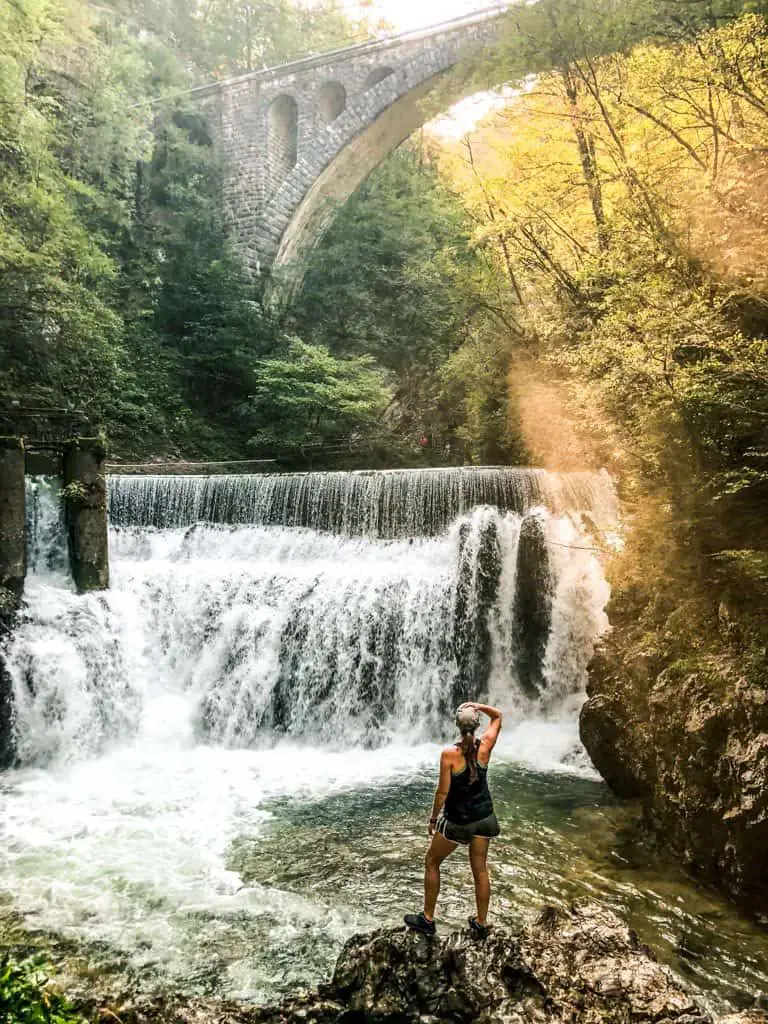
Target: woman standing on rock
(462,815)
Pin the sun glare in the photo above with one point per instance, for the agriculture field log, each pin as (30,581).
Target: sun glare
(407,14)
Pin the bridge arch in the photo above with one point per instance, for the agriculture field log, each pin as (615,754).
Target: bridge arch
(299,139)
(346,171)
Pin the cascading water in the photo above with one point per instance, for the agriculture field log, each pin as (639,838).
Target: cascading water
(229,755)
(395,503)
(264,632)
(46,538)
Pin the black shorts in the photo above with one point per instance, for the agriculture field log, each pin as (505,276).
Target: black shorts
(486,828)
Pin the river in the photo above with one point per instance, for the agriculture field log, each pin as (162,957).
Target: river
(226,761)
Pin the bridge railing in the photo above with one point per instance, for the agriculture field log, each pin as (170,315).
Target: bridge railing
(360,49)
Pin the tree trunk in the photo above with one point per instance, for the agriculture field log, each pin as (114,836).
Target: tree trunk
(588,160)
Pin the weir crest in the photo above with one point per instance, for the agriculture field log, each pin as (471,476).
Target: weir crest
(387,504)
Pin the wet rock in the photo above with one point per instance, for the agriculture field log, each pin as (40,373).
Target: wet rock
(579,966)
(602,726)
(583,966)
(692,744)
(478,577)
(533,604)
(7,741)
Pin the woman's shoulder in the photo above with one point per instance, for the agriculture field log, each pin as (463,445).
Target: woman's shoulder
(450,754)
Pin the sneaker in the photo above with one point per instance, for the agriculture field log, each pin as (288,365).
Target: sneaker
(480,930)
(419,923)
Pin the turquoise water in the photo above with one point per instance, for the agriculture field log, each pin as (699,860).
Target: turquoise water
(240,874)
(564,838)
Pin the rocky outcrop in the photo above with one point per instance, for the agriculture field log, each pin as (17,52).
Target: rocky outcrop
(682,724)
(7,751)
(533,604)
(7,741)
(581,967)
(13,548)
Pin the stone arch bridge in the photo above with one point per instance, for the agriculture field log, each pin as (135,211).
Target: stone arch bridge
(299,139)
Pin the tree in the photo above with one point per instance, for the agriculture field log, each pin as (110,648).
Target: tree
(654,304)
(120,294)
(60,335)
(306,398)
(238,36)
(398,278)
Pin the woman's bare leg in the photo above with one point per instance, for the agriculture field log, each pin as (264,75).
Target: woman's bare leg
(478,857)
(439,849)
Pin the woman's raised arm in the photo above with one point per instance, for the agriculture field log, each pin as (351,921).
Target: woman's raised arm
(491,734)
(486,709)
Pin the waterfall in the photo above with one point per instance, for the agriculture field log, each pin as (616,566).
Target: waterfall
(257,632)
(396,503)
(225,761)
(46,529)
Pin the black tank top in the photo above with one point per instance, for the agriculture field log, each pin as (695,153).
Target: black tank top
(469,801)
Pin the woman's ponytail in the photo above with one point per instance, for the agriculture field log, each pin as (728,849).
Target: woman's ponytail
(468,722)
(468,747)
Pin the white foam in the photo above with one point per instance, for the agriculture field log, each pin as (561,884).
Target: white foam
(257,631)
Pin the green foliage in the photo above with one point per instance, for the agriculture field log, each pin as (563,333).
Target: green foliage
(307,397)
(625,191)
(227,37)
(572,241)
(395,275)
(58,328)
(749,565)
(25,1000)
(189,318)
(476,386)
(119,293)
(398,278)
(245,36)
(552,33)
(75,491)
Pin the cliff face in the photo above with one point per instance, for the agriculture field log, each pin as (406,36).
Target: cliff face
(677,716)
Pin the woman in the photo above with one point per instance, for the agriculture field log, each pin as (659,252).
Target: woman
(462,815)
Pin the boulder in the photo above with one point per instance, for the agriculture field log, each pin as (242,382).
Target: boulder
(582,966)
(534,588)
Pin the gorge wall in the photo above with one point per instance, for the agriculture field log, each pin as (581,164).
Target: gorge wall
(677,717)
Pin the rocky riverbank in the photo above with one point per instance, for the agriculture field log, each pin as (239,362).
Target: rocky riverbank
(581,967)
(677,717)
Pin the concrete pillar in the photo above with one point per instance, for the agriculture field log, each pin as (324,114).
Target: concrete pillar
(85,494)
(13,542)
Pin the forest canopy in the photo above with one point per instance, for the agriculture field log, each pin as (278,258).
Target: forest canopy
(607,225)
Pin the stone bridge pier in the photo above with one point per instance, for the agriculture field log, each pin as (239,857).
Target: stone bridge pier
(299,139)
